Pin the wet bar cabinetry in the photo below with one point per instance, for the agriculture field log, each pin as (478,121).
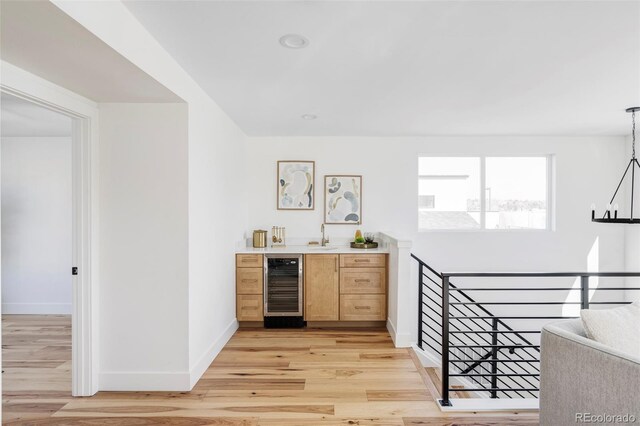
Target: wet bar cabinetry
(338,287)
(363,287)
(249,287)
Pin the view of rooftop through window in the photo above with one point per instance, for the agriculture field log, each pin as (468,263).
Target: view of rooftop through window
(483,193)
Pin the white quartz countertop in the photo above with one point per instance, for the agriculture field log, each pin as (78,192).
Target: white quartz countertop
(306,249)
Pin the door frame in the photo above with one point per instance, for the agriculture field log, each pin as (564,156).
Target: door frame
(84,115)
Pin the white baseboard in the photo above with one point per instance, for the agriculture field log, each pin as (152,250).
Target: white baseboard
(426,359)
(178,381)
(207,358)
(402,340)
(147,381)
(37,308)
(486,404)
(392,330)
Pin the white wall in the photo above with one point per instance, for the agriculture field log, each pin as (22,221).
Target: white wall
(217,219)
(144,246)
(587,169)
(36,225)
(389,187)
(216,203)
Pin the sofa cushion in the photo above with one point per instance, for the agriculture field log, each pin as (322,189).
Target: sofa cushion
(618,328)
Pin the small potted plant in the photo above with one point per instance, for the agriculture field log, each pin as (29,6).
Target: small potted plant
(364,242)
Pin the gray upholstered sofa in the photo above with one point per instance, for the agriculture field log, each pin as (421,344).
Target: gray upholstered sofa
(580,375)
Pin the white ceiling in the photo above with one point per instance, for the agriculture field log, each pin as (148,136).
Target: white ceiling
(23,118)
(40,38)
(385,68)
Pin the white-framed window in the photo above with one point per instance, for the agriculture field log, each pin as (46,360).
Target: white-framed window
(484,192)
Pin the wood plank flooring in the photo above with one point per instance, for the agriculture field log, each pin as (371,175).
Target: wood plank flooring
(36,365)
(261,377)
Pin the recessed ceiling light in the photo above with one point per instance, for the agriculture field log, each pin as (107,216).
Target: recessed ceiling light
(309,116)
(294,41)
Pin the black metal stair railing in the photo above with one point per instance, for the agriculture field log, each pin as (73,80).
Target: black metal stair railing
(462,336)
(478,347)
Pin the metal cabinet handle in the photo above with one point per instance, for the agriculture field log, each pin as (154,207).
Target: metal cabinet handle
(362,260)
(249,281)
(363,307)
(363,281)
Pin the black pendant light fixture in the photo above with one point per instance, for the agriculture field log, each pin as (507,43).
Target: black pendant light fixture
(633,163)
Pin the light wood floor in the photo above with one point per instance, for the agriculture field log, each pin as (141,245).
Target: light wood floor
(262,377)
(36,365)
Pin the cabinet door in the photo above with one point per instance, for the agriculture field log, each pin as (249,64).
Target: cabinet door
(249,307)
(321,290)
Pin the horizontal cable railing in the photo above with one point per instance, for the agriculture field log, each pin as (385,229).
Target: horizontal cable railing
(496,353)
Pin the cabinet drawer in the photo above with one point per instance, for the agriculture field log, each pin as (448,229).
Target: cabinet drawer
(249,261)
(249,307)
(249,280)
(362,260)
(363,307)
(361,280)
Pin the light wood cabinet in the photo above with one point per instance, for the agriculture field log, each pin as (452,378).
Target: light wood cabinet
(321,287)
(249,280)
(363,260)
(345,287)
(249,307)
(363,307)
(363,287)
(249,287)
(363,280)
(249,261)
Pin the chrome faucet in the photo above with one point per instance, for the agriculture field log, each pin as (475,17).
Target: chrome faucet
(325,241)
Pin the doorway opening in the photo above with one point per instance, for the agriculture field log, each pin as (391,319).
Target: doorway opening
(46,238)
(37,252)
